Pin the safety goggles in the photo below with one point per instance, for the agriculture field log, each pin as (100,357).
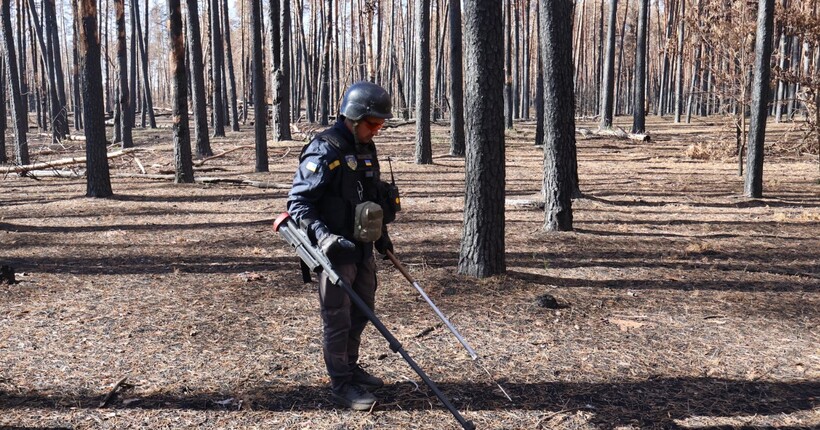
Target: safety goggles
(374,126)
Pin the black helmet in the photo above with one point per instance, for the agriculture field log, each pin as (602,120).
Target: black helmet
(366,99)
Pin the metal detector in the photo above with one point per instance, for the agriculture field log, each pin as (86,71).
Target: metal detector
(318,262)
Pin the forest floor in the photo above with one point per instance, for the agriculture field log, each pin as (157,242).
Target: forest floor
(680,303)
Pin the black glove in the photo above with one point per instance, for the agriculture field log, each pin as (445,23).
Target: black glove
(336,247)
(384,244)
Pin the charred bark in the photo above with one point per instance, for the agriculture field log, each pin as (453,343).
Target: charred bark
(184,167)
(559,118)
(122,65)
(231,75)
(260,110)
(98,178)
(424,150)
(608,84)
(59,113)
(760,98)
(18,113)
(217,65)
(3,157)
(482,243)
(281,102)
(146,80)
(199,98)
(457,145)
(638,108)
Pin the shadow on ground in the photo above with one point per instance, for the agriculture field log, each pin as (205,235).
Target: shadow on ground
(655,402)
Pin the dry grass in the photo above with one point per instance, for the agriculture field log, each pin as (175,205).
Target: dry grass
(684,304)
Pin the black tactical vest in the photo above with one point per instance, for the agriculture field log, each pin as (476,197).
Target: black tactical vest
(355,180)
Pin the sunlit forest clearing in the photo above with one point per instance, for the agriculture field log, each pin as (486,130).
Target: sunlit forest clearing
(639,180)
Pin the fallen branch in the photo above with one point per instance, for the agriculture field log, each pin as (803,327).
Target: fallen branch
(199,163)
(429,330)
(257,184)
(111,394)
(74,137)
(202,161)
(21,170)
(208,180)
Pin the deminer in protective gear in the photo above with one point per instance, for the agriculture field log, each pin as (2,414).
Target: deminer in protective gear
(339,198)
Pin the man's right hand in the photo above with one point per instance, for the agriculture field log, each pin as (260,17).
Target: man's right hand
(336,247)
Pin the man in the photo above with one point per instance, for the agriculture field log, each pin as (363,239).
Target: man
(339,198)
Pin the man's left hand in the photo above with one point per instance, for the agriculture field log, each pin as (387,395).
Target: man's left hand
(384,244)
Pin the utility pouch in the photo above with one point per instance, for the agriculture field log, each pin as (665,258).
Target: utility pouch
(367,222)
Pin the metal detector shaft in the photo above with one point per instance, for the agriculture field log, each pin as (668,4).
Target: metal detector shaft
(444,319)
(318,262)
(438,312)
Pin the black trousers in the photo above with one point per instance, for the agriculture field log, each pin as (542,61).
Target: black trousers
(342,321)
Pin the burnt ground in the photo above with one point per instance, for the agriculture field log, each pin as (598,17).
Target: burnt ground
(681,304)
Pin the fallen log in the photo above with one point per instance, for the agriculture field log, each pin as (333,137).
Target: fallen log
(616,132)
(70,137)
(66,174)
(21,170)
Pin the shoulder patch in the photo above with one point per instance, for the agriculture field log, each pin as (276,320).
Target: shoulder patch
(351,161)
(311,166)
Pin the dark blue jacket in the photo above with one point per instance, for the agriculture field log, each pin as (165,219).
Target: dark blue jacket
(334,176)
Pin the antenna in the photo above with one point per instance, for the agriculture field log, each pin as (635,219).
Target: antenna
(392,179)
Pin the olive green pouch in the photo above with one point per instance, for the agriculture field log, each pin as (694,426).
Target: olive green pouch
(367,223)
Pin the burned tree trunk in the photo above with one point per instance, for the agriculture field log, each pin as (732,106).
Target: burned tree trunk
(49,79)
(539,80)
(146,85)
(608,85)
(639,100)
(260,110)
(184,167)
(424,151)
(60,116)
(75,71)
(457,145)
(3,157)
(324,77)
(508,98)
(559,119)
(122,65)
(760,99)
(18,113)
(231,76)
(281,102)
(482,243)
(198,97)
(98,179)
(217,65)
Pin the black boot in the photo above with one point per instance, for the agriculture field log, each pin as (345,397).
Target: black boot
(366,380)
(353,396)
